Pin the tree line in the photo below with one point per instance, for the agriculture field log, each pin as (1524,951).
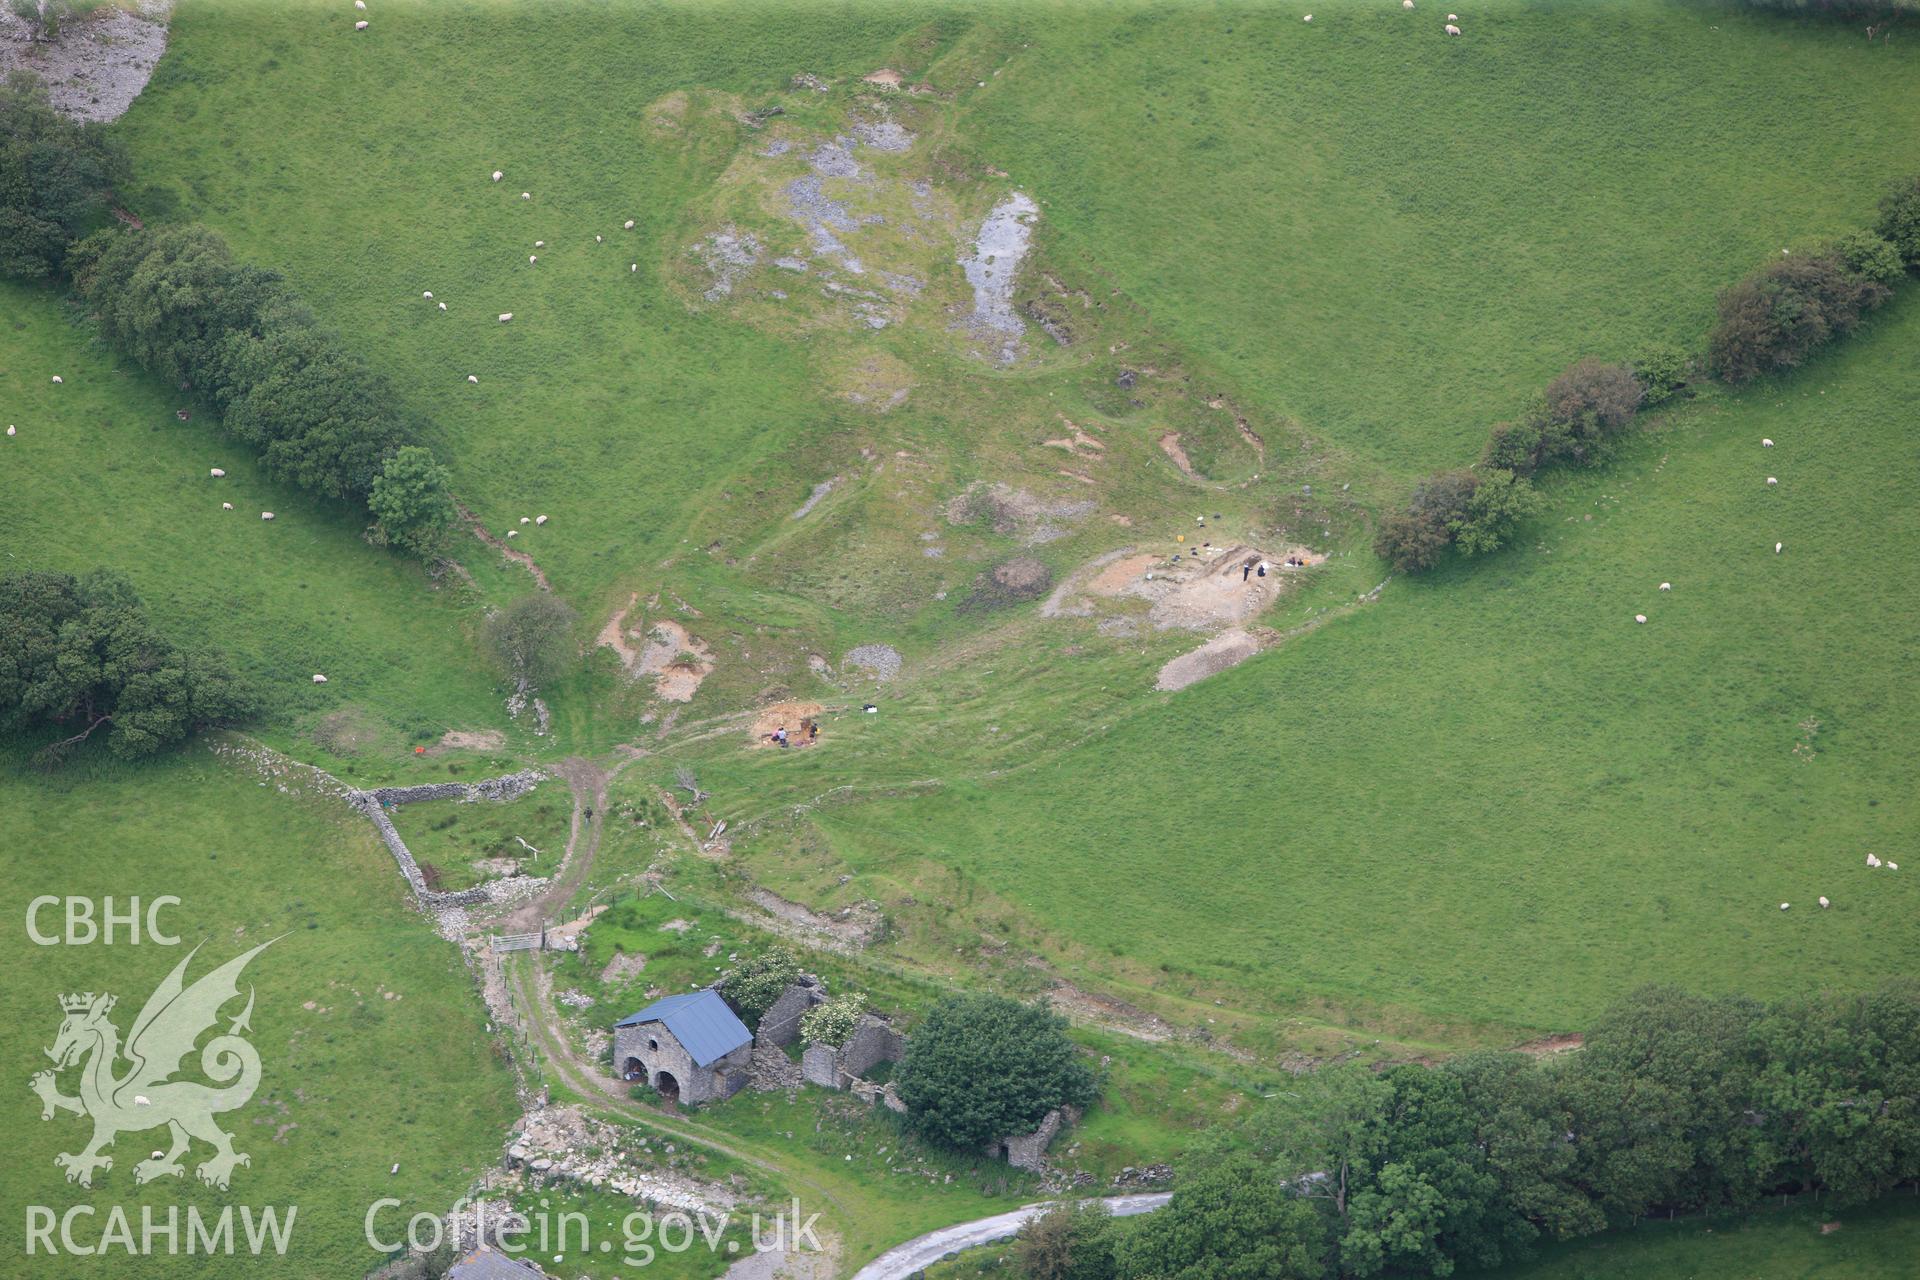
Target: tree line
(1676,1103)
(1770,322)
(177,302)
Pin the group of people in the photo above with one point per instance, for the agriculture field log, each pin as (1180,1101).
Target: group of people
(1259,567)
(808,728)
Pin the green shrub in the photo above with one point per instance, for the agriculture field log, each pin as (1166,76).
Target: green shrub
(54,178)
(82,653)
(1494,510)
(1663,373)
(756,982)
(833,1023)
(412,500)
(1899,222)
(1414,539)
(982,1067)
(531,638)
(1071,1241)
(1871,257)
(1234,1221)
(1592,402)
(1774,319)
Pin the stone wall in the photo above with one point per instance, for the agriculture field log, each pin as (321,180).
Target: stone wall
(1029,1150)
(374,804)
(508,787)
(871,1043)
(780,1024)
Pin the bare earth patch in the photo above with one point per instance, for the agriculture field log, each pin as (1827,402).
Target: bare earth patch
(1228,649)
(849,930)
(623,966)
(468,740)
(791,715)
(676,659)
(1170,445)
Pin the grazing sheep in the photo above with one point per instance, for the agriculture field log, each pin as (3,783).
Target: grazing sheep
(532,258)
(599,240)
(526,519)
(1872,861)
(1666,586)
(471,378)
(539,244)
(539,519)
(266,515)
(1308,18)
(1639,617)
(443,306)
(1824,904)
(216,473)
(1772,481)
(9,428)
(57,379)
(1893,866)
(513,533)
(1452,30)
(360,4)
(526,195)
(497,175)
(629,224)
(360,26)
(318,678)
(1777,546)
(1765,443)
(633,266)
(505,316)
(427,293)
(226,506)
(1785,905)
(1406,4)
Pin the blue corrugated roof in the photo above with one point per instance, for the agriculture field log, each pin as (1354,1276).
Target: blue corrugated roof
(700,1021)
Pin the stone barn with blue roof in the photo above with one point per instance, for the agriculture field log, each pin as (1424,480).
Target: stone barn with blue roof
(691,1048)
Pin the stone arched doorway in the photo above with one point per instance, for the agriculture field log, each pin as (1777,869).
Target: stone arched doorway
(633,1070)
(666,1086)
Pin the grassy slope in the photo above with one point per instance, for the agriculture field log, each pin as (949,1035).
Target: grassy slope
(1396,236)
(349,1087)
(102,473)
(1491,795)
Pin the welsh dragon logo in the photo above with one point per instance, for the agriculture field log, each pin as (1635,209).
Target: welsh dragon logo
(145,1096)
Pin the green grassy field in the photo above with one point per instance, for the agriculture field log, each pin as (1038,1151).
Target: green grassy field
(1474,810)
(369,1030)
(1549,803)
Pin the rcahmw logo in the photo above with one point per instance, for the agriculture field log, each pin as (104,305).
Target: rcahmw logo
(145,1095)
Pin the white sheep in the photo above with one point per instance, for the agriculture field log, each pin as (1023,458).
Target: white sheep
(318,678)
(1765,443)
(526,195)
(1639,617)
(1785,905)
(497,175)
(10,430)
(443,306)
(360,4)
(142,1100)
(1308,18)
(513,533)
(532,258)
(1772,481)
(226,506)
(1893,866)
(633,266)
(216,473)
(539,519)
(1872,861)
(1452,30)
(471,378)
(57,379)
(628,225)
(539,244)
(1824,904)
(1666,586)
(599,239)
(361,25)
(427,294)
(505,316)
(1406,4)
(266,515)
(526,519)
(1777,546)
